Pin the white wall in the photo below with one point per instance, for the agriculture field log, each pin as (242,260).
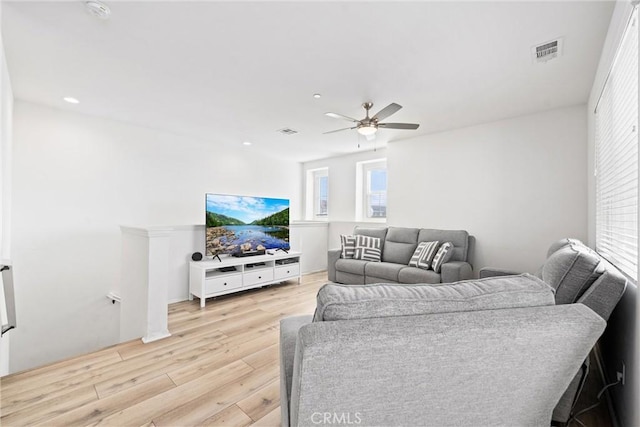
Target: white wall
(342,181)
(6,112)
(516,185)
(75,180)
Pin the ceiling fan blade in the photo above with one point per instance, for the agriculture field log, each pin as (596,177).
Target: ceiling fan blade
(398,125)
(340,116)
(387,111)
(338,130)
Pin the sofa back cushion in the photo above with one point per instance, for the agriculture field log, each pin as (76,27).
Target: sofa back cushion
(345,302)
(459,238)
(400,244)
(561,244)
(571,270)
(605,293)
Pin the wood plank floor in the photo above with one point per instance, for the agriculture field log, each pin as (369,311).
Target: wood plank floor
(220,367)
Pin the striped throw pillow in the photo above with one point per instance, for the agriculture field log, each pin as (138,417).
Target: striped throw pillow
(444,254)
(423,255)
(368,248)
(348,246)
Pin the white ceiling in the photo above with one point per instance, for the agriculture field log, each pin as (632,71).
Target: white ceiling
(229,72)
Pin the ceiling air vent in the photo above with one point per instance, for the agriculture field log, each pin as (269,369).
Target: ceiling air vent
(287,131)
(547,51)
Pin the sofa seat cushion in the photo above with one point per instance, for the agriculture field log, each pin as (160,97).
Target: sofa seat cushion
(349,278)
(383,270)
(353,266)
(345,302)
(418,275)
(571,270)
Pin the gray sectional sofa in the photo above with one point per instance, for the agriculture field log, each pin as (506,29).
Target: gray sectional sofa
(494,351)
(500,350)
(578,275)
(398,244)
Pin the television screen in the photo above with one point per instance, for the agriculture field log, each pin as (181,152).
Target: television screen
(238,224)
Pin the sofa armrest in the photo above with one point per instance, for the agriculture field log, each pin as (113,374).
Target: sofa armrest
(604,294)
(495,272)
(289,328)
(455,271)
(333,255)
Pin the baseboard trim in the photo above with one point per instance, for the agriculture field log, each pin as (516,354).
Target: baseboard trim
(155,337)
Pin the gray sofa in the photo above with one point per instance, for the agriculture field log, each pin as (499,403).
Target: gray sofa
(578,275)
(398,244)
(494,351)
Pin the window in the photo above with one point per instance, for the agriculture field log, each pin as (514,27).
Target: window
(317,194)
(377,193)
(321,195)
(616,169)
(371,190)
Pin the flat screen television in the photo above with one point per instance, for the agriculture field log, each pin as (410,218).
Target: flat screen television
(239,225)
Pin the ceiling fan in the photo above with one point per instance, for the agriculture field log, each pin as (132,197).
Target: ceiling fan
(369,125)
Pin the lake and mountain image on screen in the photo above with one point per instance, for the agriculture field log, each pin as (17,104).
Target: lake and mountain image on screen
(244,224)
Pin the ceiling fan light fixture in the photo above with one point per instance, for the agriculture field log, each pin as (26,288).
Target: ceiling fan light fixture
(367,130)
(98,9)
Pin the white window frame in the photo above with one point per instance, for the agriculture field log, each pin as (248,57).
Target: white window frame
(363,189)
(313,201)
(616,157)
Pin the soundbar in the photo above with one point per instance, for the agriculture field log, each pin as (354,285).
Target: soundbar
(248,253)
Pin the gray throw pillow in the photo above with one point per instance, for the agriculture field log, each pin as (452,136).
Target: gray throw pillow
(444,254)
(348,246)
(367,248)
(423,255)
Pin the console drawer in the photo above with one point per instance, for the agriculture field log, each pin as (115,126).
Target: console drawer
(222,283)
(258,276)
(287,271)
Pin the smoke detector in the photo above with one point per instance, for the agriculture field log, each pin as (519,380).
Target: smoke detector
(547,51)
(98,9)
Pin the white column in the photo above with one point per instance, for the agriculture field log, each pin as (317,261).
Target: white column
(144,283)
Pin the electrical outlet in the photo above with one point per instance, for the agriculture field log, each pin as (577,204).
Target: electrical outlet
(620,375)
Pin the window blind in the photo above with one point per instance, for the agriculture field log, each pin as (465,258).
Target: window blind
(616,136)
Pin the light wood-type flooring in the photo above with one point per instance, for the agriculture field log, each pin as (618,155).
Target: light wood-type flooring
(220,367)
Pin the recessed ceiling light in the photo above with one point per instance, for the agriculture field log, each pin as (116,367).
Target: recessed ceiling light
(317,95)
(71,100)
(246,143)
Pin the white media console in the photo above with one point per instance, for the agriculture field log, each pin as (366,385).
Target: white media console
(212,278)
